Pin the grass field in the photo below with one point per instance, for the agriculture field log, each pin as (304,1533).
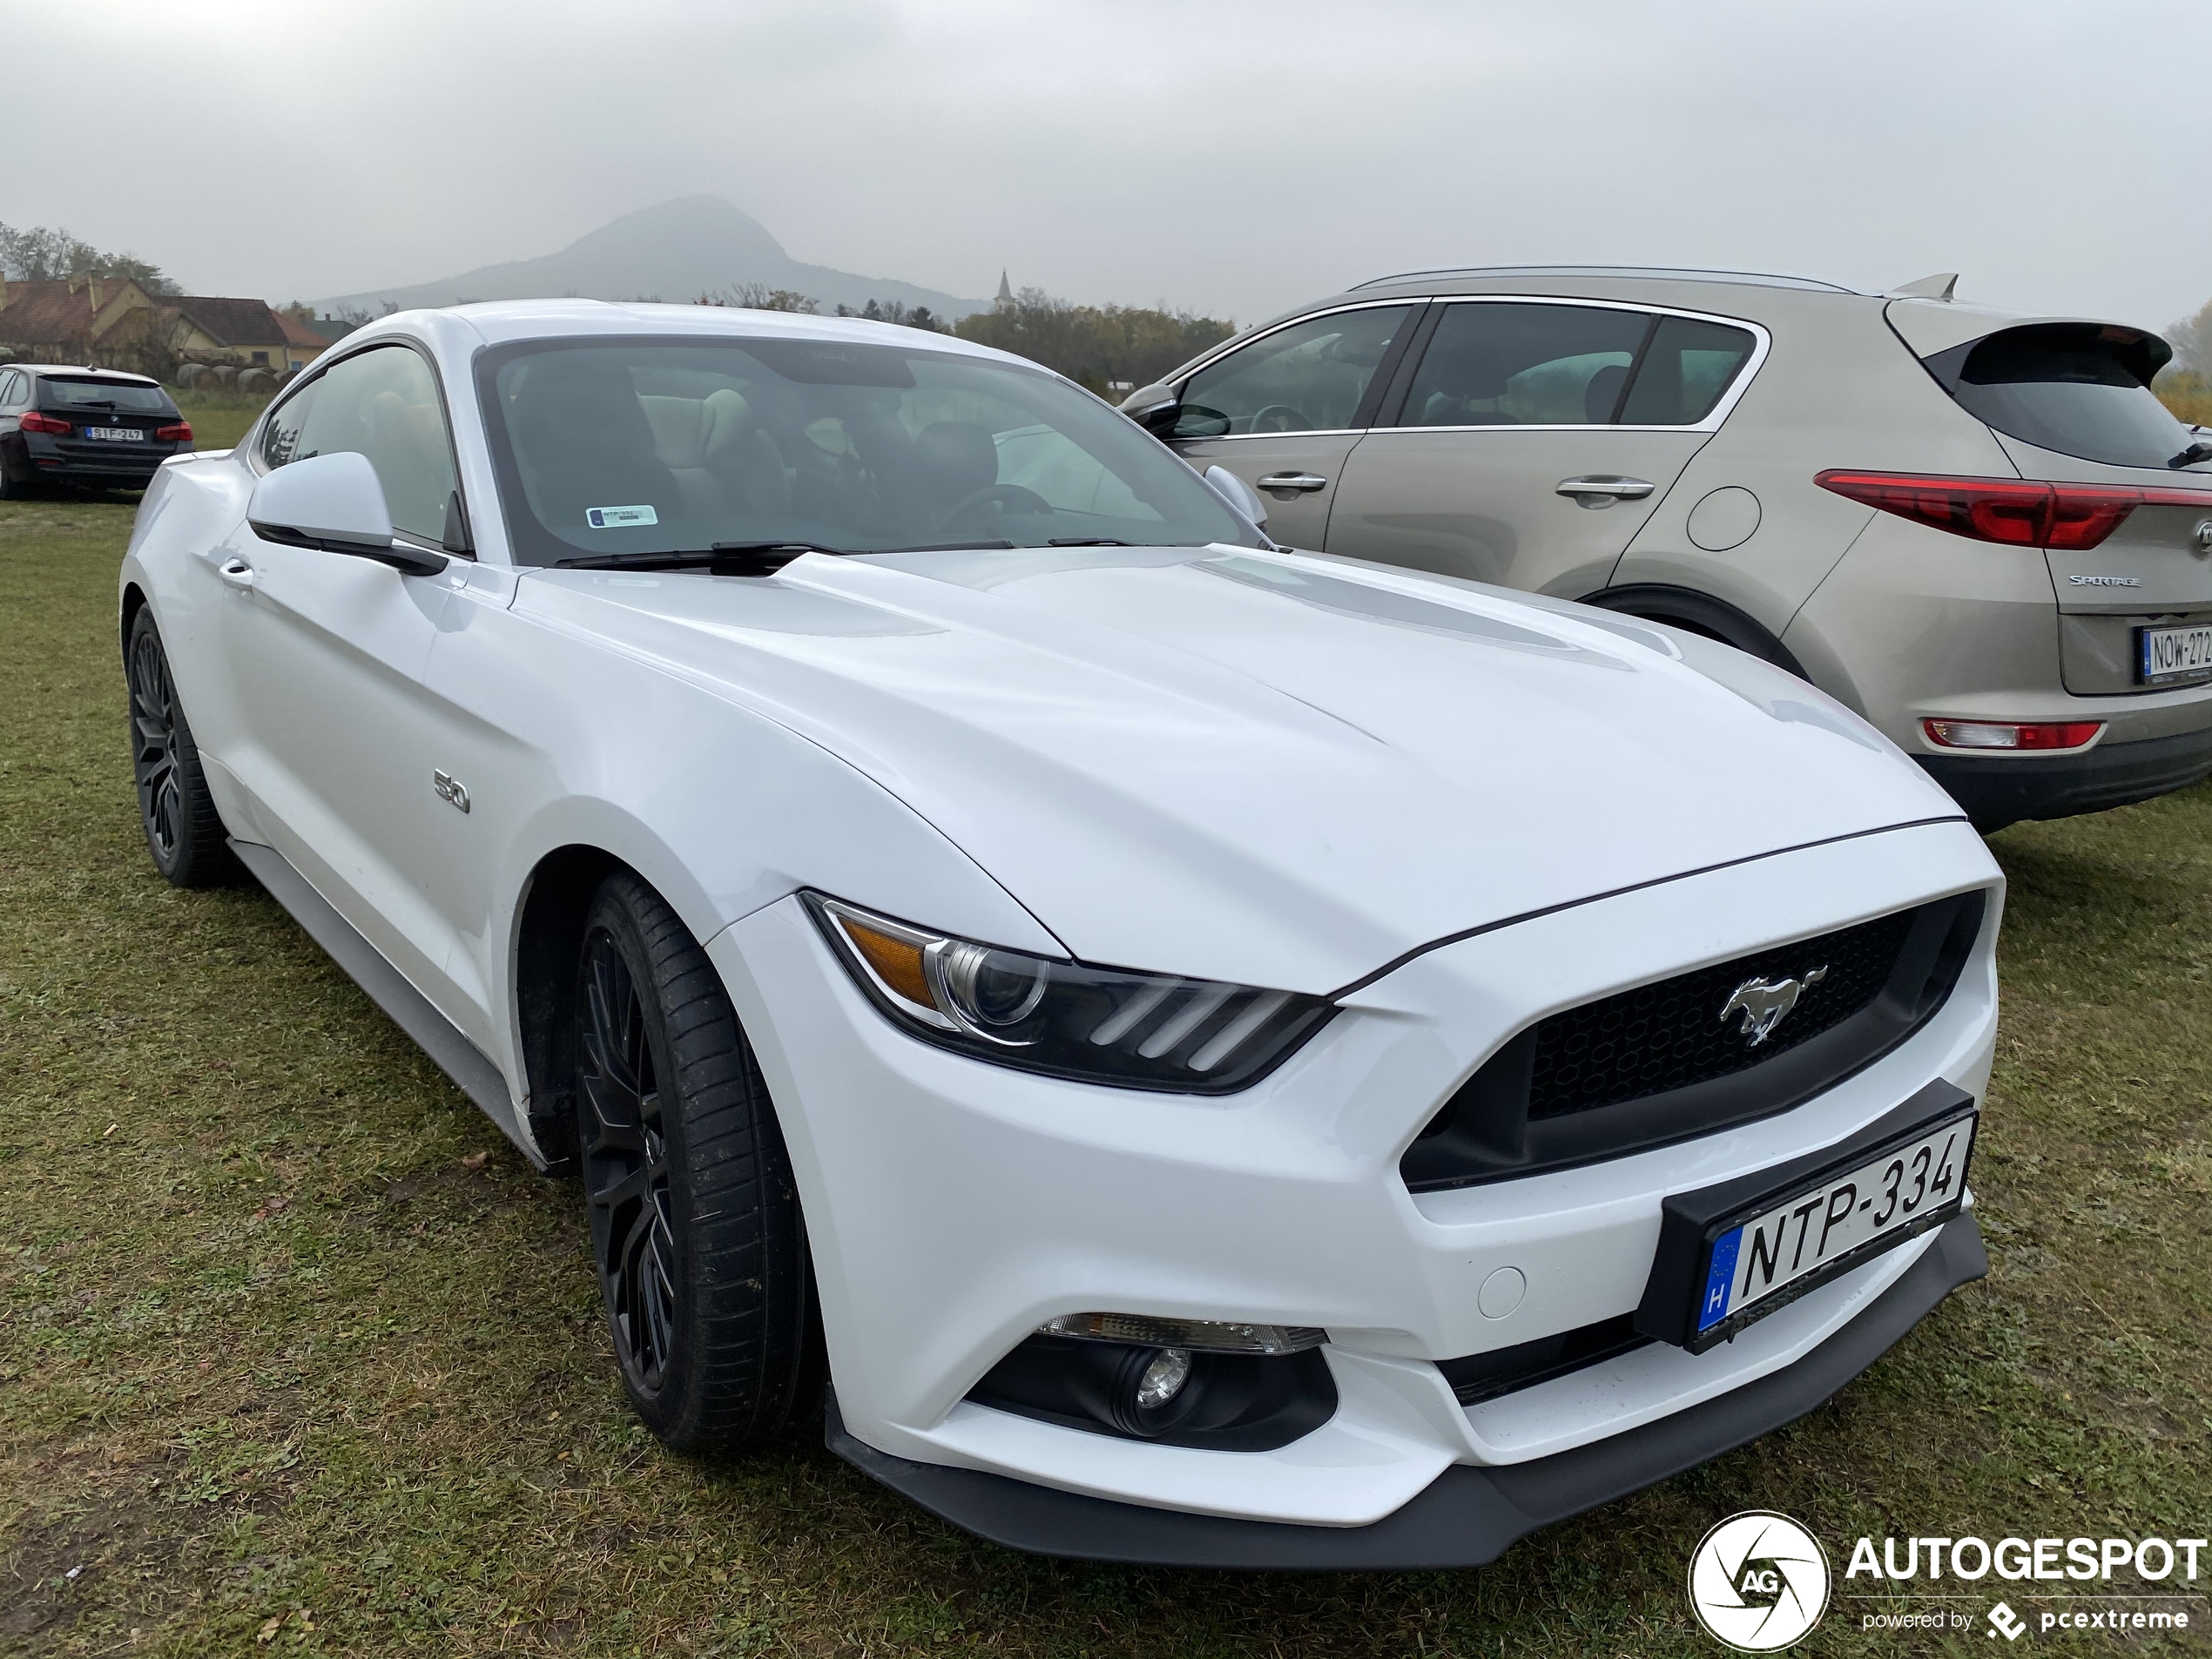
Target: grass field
(297,1355)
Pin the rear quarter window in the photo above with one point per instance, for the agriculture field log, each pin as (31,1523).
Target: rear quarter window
(2081,389)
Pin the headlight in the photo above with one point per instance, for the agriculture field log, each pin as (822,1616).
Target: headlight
(1098,1025)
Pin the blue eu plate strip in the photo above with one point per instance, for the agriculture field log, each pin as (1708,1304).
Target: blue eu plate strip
(1713,1308)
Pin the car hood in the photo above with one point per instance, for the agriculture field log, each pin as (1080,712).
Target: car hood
(1280,769)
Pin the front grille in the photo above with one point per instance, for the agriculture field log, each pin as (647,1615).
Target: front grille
(1668,1035)
(1661,1063)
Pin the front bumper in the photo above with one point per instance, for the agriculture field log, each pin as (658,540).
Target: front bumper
(953,1207)
(1468,1516)
(2003,789)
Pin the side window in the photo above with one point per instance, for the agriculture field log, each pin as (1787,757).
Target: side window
(1309,377)
(1525,365)
(1689,366)
(280,434)
(10,389)
(382,404)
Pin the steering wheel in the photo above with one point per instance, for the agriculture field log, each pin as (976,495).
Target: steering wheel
(1290,419)
(1015,498)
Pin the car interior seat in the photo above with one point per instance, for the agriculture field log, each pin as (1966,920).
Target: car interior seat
(584,439)
(1464,375)
(953,460)
(1602,393)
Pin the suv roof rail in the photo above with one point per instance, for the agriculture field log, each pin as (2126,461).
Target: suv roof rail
(1767,279)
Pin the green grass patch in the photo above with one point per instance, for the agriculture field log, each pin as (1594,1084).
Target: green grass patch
(293,1347)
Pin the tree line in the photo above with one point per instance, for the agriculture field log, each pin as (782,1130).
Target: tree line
(41,255)
(1103,347)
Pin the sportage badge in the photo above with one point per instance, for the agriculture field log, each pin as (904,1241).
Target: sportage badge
(1764,1003)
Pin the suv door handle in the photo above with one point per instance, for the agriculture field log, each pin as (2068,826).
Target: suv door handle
(1300,483)
(237,572)
(1603,489)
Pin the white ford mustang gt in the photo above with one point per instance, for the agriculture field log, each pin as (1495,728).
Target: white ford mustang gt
(1212,1053)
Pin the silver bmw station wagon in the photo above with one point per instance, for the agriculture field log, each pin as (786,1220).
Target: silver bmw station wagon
(1978,528)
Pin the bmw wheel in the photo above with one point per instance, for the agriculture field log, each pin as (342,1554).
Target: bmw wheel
(184,832)
(695,1219)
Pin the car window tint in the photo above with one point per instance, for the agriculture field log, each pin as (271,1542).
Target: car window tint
(11,389)
(2079,388)
(654,445)
(1524,365)
(382,404)
(1309,377)
(1684,371)
(124,396)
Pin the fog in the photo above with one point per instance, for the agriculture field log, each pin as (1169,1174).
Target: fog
(1235,155)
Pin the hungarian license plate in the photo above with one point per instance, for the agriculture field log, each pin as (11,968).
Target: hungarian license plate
(116,434)
(1821,1231)
(2174,655)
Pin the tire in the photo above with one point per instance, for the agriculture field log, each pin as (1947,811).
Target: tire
(12,488)
(184,832)
(695,1230)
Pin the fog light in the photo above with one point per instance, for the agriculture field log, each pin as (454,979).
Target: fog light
(1163,1379)
(1995,734)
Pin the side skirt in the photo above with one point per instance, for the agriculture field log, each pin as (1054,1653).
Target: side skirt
(437,1036)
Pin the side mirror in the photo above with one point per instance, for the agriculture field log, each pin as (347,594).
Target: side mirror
(1238,494)
(333,503)
(1153,408)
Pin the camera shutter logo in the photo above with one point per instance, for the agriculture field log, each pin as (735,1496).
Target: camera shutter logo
(1758,1581)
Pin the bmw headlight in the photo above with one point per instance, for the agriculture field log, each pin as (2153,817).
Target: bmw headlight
(1099,1025)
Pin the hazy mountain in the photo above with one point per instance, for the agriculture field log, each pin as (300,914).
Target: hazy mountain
(675,251)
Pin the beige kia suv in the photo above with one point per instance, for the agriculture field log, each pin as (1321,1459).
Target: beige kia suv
(1980,530)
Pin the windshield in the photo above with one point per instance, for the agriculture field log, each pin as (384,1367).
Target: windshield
(661,445)
(2077,389)
(130,395)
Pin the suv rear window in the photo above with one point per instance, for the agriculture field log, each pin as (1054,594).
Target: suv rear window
(2079,388)
(127,395)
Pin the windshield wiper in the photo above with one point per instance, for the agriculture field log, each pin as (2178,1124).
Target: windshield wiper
(1087,541)
(748,558)
(723,559)
(2191,456)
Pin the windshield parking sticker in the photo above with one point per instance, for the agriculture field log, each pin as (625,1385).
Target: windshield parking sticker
(615,518)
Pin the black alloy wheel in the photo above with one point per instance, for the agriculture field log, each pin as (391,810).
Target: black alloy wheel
(184,832)
(696,1228)
(625,1168)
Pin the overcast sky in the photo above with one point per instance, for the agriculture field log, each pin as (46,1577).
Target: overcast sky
(1235,155)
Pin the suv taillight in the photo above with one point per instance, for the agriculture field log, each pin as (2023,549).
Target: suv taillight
(31,421)
(180,433)
(2005,734)
(2021,513)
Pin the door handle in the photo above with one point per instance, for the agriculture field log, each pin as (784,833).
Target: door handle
(1296,483)
(237,572)
(1603,489)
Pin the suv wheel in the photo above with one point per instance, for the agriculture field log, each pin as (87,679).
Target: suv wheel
(184,832)
(694,1218)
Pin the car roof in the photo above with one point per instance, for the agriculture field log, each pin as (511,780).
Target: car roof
(500,323)
(82,371)
(1672,274)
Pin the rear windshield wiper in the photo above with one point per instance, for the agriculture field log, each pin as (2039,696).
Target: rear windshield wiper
(2191,456)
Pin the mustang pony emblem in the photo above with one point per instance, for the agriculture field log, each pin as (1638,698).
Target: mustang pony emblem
(1765,1002)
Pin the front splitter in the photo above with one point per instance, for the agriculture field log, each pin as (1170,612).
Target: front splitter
(1468,1516)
